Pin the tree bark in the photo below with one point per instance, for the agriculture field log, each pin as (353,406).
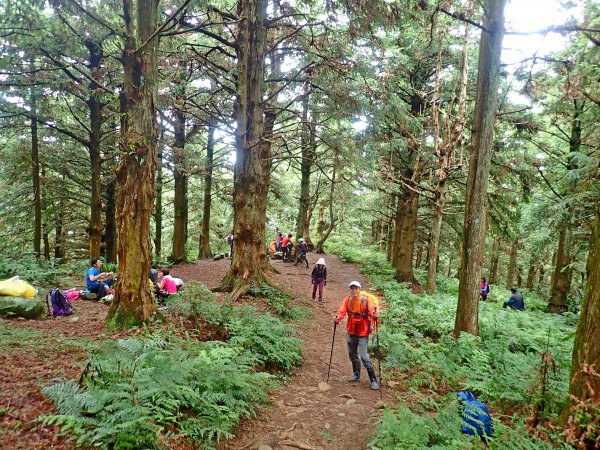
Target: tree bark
(204,250)
(252,172)
(180,201)
(134,302)
(319,247)
(35,179)
(561,281)
(490,49)
(110,229)
(158,206)
(584,388)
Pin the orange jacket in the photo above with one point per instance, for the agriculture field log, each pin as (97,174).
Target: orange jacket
(360,315)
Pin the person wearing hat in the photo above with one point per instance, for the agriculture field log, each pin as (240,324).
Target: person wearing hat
(318,278)
(361,314)
(301,254)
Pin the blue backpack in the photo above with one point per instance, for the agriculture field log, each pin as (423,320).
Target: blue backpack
(476,417)
(57,304)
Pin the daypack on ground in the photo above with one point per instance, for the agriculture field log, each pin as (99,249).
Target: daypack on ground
(57,304)
(476,417)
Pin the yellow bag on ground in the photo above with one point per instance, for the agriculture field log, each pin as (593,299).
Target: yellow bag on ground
(14,287)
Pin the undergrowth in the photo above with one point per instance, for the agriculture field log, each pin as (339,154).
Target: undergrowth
(519,365)
(164,384)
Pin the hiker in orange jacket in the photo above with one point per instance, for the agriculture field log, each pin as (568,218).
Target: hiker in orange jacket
(361,315)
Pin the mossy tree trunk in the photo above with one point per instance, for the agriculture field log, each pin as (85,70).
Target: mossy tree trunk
(158,206)
(473,244)
(584,388)
(134,302)
(494,259)
(252,172)
(110,227)
(204,250)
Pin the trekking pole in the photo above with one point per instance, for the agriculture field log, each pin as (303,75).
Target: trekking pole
(331,355)
(378,357)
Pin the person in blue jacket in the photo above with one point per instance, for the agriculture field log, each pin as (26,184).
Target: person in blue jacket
(515,301)
(96,280)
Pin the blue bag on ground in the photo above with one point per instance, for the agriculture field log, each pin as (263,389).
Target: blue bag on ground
(476,417)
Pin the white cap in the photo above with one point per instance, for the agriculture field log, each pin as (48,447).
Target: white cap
(355,283)
(321,261)
(300,240)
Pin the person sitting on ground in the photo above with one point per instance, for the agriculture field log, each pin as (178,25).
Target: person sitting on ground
(484,289)
(515,301)
(97,281)
(319,279)
(166,284)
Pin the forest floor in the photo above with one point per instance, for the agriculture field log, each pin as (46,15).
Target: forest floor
(301,415)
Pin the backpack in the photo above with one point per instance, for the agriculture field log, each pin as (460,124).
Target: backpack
(487,288)
(476,417)
(57,300)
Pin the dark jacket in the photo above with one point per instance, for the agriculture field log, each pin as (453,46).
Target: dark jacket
(515,302)
(319,273)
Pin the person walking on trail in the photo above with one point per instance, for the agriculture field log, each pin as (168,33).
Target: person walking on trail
(230,242)
(318,278)
(302,251)
(484,289)
(361,314)
(515,301)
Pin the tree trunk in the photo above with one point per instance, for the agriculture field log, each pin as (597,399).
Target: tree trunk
(158,206)
(561,281)
(512,265)
(490,49)
(306,162)
(95,135)
(584,387)
(494,258)
(134,302)
(252,173)
(46,240)
(180,202)
(110,229)
(436,231)
(59,235)
(332,220)
(204,250)
(445,155)
(35,179)
(531,274)
(408,232)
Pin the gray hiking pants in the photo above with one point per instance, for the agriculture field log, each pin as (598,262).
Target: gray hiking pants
(358,347)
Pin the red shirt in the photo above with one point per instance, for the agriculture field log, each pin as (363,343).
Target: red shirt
(285,242)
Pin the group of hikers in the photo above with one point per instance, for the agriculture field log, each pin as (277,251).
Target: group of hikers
(515,301)
(100,283)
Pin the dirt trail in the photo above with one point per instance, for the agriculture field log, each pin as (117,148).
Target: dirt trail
(301,416)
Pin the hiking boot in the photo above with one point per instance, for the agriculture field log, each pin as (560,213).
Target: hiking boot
(354,377)
(373,378)
(356,372)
